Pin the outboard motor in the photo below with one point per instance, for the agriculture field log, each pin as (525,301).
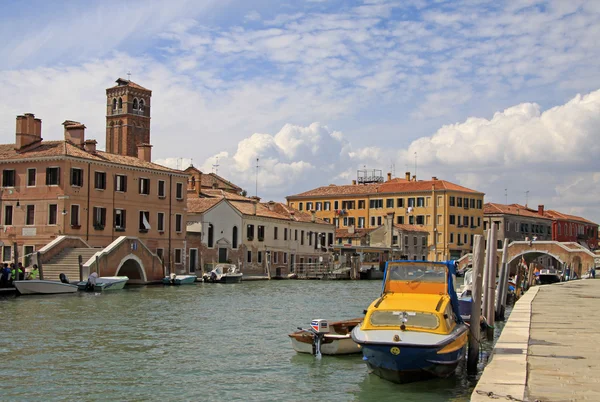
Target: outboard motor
(63,278)
(319,328)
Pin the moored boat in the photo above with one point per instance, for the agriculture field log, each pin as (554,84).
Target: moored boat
(223,273)
(179,279)
(414,330)
(337,341)
(39,287)
(548,276)
(106,283)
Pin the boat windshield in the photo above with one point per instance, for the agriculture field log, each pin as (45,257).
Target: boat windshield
(415,319)
(415,277)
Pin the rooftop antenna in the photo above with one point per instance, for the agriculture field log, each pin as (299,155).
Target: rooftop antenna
(506,196)
(415,164)
(128,75)
(216,166)
(526,198)
(256,190)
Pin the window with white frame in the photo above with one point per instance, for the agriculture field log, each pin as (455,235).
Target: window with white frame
(144,186)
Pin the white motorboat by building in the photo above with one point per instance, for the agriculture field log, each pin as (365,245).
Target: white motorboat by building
(43,287)
(106,283)
(327,339)
(223,273)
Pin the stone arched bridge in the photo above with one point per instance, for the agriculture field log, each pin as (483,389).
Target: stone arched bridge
(572,254)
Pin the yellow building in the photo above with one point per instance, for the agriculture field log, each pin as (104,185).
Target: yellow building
(451,213)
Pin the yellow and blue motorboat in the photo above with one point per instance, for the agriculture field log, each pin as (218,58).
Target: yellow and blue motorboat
(414,330)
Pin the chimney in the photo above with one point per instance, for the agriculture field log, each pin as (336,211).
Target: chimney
(90,146)
(354,182)
(407,176)
(414,178)
(254,207)
(145,152)
(313,217)
(389,229)
(389,176)
(271,205)
(74,133)
(541,210)
(29,131)
(434,178)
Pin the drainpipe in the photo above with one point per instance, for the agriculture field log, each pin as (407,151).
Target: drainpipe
(87,224)
(170,218)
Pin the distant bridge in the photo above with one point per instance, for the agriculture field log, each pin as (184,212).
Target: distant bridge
(572,254)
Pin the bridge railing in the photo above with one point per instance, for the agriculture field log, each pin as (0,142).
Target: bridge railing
(107,261)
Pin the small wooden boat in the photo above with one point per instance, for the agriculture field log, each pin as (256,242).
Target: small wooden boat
(179,279)
(43,287)
(414,329)
(223,273)
(337,341)
(106,283)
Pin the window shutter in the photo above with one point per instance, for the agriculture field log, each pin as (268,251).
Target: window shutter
(124,219)
(47,176)
(103,216)
(95,214)
(124,186)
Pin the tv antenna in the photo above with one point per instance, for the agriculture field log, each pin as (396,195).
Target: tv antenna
(256,189)
(526,198)
(128,75)
(415,164)
(506,196)
(216,166)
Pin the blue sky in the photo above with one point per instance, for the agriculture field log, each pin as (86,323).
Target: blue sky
(491,95)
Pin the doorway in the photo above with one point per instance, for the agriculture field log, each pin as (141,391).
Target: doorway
(222,255)
(193,259)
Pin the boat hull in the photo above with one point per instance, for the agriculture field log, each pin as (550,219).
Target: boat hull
(407,362)
(302,342)
(180,280)
(549,279)
(33,287)
(230,279)
(106,283)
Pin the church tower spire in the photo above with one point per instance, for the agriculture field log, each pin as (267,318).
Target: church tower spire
(127,117)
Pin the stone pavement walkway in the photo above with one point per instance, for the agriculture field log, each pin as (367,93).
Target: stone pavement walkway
(547,350)
(564,353)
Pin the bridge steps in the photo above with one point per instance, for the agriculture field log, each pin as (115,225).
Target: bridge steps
(67,262)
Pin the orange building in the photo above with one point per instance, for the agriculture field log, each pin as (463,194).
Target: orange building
(68,187)
(452,214)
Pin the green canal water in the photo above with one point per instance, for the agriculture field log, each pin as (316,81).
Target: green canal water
(193,343)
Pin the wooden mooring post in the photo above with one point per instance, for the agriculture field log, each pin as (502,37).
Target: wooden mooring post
(502,285)
(490,290)
(476,288)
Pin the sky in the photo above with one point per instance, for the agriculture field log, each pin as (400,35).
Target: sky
(499,96)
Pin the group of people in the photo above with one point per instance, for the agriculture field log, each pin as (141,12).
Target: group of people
(11,273)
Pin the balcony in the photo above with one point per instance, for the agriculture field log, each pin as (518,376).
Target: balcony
(117,111)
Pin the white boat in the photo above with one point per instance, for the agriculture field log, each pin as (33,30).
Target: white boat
(43,287)
(548,276)
(223,273)
(337,341)
(179,279)
(106,283)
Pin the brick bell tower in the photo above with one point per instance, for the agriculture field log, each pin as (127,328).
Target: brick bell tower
(127,117)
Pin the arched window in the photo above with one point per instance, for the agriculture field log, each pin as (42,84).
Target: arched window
(141,105)
(120,103)
(211,233)
(234,238)
(114,103)
(135,104)
(193,182)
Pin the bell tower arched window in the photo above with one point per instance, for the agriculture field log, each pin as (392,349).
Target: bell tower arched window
(135,104)
(234,238)
(211,233)
(120,103)
(114,103)
(141,105)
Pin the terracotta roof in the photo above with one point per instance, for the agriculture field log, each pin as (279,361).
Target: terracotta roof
(216,193)
(358,233)
(422,185)
(559,215)
(333,189)
(209,178)
(411,228)
(123,82)
(396,185)
(513,209)
(247,208)
(201,205)
(295,215)
(46,149)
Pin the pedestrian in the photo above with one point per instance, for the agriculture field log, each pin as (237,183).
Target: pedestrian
(14,273)
(34,272)
(4,276)
(593,272)
(21,271)
(567,273)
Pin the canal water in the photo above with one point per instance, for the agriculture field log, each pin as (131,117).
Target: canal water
(201,342)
